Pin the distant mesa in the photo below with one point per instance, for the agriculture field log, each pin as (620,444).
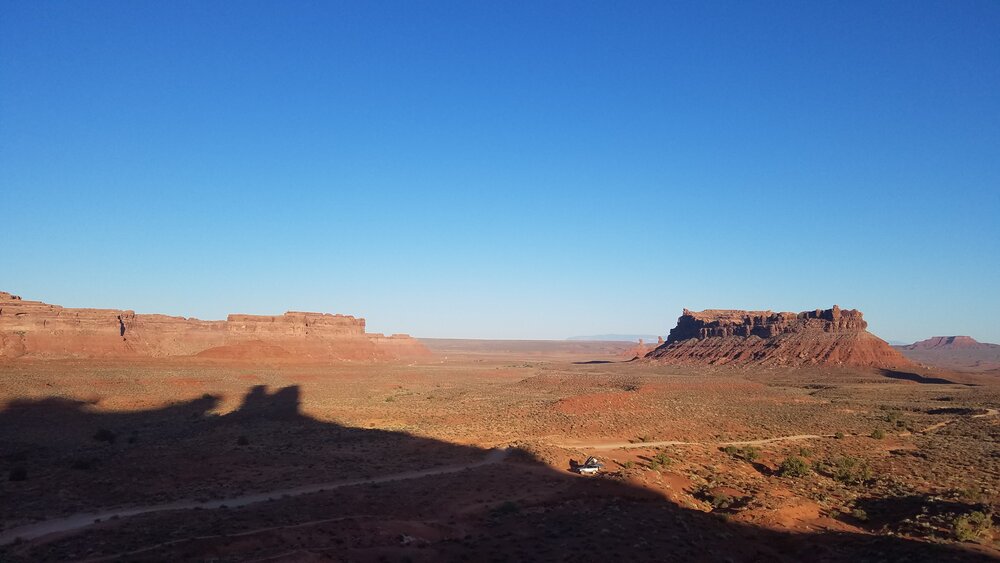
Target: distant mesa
(32,329)
(948,342)
(954,352)
(765,338)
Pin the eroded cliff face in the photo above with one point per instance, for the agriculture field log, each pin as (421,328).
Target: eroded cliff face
(38,330)
(821,337)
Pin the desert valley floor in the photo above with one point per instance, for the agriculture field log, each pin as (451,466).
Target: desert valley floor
(466,455)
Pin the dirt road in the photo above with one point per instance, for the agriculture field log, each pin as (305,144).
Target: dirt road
(77,521)
(761,442)
(633,445)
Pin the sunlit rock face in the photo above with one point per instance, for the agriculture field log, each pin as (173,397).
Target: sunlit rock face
(825,336)
(38,330)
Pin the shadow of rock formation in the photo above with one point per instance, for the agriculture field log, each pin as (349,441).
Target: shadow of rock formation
(517,509)
(908,376)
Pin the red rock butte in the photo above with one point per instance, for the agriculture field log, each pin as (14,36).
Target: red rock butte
(32,329)
(734,337)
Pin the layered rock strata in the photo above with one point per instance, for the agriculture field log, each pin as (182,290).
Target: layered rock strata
(38,330)
(821,337)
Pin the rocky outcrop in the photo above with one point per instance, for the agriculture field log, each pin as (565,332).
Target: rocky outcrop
(822,337)
(400,345)
(640,349)
(38,330)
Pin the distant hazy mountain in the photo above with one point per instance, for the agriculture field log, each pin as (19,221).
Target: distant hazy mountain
(951,343)
(954,352)
(617,337)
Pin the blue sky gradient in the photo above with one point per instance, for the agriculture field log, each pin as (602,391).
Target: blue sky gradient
(506,169)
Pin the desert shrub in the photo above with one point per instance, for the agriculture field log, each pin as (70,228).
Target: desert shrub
(18,474)
(748,453)
(720,500)
(839,436)
(973,494)
(506,509)
(878,433)
(661,458)
(82,464)
(631,385)
(859,514)
(628,464)
(242,441)
(390,399)
(105,435)
(793,466)
(645,438)
(851,470)
(805,452)
(972,525)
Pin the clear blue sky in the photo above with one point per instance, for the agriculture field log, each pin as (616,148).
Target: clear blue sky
(505,169)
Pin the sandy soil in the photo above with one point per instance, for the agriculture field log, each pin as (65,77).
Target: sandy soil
(693,460)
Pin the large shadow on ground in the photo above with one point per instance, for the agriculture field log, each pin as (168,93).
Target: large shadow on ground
(69,457)
(917,378)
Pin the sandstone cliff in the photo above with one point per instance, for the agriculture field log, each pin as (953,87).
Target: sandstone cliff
(38,330)
(821,337)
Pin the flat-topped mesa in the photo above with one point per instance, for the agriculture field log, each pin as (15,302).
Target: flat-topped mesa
(765,324)
(947,342)
(296,323)
(401,345)
(34,329)
(824,336)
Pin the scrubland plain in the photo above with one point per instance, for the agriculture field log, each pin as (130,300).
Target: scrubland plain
(467,454)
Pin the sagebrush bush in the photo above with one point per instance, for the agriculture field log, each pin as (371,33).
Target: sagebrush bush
(660,460)
(972,525)
(507,508)
(748,453)
(851,470)
(793,466)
